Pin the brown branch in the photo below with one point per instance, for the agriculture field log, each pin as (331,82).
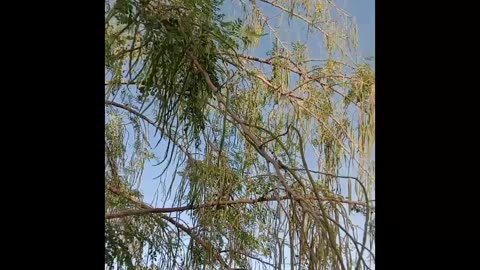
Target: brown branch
(256,59)
(249,256)
(269,62)
(296,71)
(132,111)
(147,209)
(132,212)
(122,82)
(199,240)
(131,198)
(182,227)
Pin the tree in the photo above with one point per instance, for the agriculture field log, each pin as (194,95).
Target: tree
(252,149)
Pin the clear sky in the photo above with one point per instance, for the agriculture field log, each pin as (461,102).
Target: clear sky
(364,13)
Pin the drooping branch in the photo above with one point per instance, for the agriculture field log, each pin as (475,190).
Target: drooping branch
(291,12)
(158,127)
(249,256)
(296,200)
(295,99)
(206,245)
(255,142)
(209,247)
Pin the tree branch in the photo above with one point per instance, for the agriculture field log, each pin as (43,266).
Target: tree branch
(254,141)
(250,256)
(122,82)
(142,116)
(296,71)
(132,212)
(180,226)
(291,12)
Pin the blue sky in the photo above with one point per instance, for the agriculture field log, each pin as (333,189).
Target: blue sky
(364,13)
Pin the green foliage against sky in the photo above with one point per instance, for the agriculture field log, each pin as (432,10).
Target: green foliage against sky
(253,149)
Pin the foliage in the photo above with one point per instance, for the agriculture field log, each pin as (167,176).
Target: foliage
(250,150)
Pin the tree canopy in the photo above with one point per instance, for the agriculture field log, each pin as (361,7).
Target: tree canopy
(259,120)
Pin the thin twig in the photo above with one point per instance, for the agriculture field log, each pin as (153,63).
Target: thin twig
(158,127)
(122,82)
(296,15)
